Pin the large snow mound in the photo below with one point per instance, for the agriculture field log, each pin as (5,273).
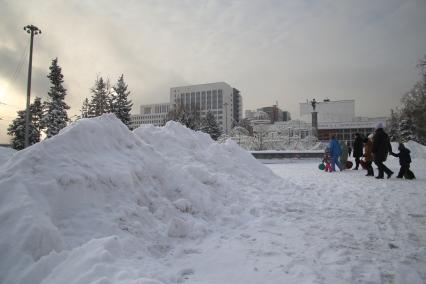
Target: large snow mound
(200,156)
(5,154)
(97,201)
(418,151)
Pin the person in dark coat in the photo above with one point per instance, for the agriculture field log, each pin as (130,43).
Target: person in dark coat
(404,162)
(349,149)
(381,149)
(357,154)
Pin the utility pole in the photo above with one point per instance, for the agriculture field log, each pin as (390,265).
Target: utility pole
(32,30)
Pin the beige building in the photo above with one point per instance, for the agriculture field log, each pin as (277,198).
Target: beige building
(220,98)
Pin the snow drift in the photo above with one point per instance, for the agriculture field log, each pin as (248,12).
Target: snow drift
(5,154)
(97,201)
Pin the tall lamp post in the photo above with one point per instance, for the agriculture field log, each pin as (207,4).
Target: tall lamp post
(314,117)
(32,30)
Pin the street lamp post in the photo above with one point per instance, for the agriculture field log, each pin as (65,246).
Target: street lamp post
(32,30)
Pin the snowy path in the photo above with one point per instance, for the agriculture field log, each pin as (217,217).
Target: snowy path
(329,228)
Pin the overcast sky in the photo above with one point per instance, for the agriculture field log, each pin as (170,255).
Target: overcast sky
(285,51)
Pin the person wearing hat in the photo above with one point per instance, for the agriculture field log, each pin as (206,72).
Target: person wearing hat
(381,149)
(357,150)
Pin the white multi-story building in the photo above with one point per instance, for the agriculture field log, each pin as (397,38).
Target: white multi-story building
(220,98)
(155,114)
(338,118)
(223,101)
(329,111)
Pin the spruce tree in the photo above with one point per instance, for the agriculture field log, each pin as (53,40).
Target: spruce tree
(110,97)
(85,108)
(209,125)
(100,101)
(55,117)
(413,113)
(245,123)
(190,119)
(393,126)
(36,116)
(406,129)
(412,116)
(17,128)
(121,105)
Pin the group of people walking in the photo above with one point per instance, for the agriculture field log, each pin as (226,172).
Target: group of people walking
(374,148)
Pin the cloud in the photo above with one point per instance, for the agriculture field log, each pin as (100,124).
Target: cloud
(271,50)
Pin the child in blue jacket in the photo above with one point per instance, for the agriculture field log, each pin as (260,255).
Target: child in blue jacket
(335,152)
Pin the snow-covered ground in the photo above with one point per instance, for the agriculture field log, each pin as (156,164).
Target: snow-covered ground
(5,154)
(101,204)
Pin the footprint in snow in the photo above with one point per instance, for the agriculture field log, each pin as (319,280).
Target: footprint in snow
(184,274)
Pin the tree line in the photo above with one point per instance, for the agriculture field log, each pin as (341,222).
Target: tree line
(409,121)
(107,99)
(51,116)
(192,119)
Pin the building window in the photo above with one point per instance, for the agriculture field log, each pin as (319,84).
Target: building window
(147,110)
(209,100)
(203,100)
(214,99)
(192,100)
(197,101)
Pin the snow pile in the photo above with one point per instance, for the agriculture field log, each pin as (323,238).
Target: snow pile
(97,202)
(198,155)
(5,154)
(418,151)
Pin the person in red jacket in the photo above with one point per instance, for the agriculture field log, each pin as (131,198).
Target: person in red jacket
(368,156)
(327,160)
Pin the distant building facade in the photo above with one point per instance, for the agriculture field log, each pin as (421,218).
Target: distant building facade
(345,131)
(286,116)
(273,114)
(154,114)
(338,117)
(257,117)
(329,111)
(222,100)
